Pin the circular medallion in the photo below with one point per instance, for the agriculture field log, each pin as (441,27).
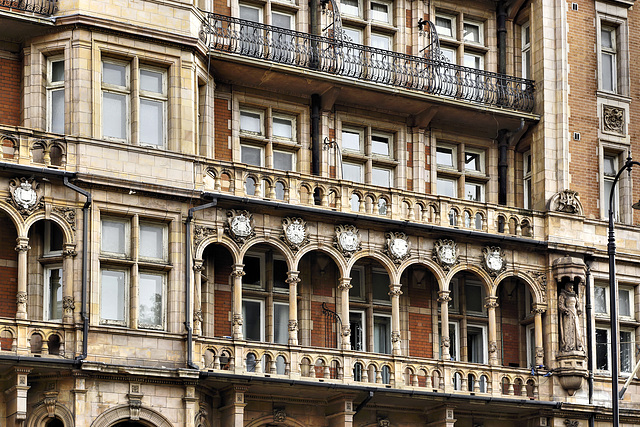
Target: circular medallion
(295,233)
(241,226)
(399,248)
(349,241)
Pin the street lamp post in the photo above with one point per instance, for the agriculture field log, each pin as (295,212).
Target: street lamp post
(613,292)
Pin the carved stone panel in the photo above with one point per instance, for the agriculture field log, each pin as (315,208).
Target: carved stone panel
(239,225)
(25,195)
(397,246)
(613,119)
(347,239)
(445,253)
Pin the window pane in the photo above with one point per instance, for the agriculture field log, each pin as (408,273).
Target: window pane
(626,351)
(282,128)
(380,42)
(600,300)
(356,284)
(250,122)
(281,20)
(352,172)
(606,37)
(57,71)
(602,349)
(608,72)
(350,6)
(56,238)
(251,155)
(453,339)
(446,187)
(281,323)
(379,12)
(151,122)
(472,33)
(354,35)
(114,74)
(280,276)
(114,115)
(472,162)
(283,161)
(54,294)
(113,236)
(250,13)
(475,344)
(151,81)
(380,145)
(252,273)
(444,26)
(610,166)
(351,140)
(112,296)
(151,241)
(474,298)
(472,61)
(381,335)
(444,157)
(381,177)
(150,300)
(473,192)
(357,331)
(57,111)
(380,286)
(624,301)
(252,315)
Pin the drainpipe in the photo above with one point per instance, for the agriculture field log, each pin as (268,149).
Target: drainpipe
(85,251)
(187,280)
(588,260)
(502,37)
(315,134)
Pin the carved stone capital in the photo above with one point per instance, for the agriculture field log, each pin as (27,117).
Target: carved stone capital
(493,347)
(69,253)
(293,325)
(198,265)
(238,271)
(237,320)
(22,247)
(21,297)
(394,291)
(491,302)
(345,284)
(68,304)
(443,297)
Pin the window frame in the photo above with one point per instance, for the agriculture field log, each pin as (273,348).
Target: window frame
(49,228)
(159,97)
(260,114)
(610,178)
(162,325)
(260,148)
(126,237)
(273,326)
(389,14)
(292,119)
(362,296)
(125,91)
(452,19)
(525,50)
(261,317)
(363,321)
(480,26)
(51,87)
(483,342)
(165,241)
(46,300)
(388,343)
(527,166)
(126,291)
(612,51)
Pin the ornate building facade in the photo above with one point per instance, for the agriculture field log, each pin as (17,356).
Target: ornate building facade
(324,213)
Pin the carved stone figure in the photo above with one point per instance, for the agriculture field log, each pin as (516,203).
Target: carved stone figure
(569,306)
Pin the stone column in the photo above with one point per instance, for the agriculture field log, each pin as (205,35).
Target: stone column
(197,296)
(237,273)
(68,304)
(394,293)
(344,285)
(538,310)
(443,299)
(491,303)
(21,297)
(232,411)
(293,281)
(16,397)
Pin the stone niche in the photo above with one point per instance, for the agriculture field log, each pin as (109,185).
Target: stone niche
(569,273)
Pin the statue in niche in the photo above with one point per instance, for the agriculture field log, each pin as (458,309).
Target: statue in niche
(569,306)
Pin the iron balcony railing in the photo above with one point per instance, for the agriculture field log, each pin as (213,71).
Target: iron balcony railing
(41,7)
(341,57)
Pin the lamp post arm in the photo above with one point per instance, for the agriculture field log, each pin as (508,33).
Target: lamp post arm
(627,166)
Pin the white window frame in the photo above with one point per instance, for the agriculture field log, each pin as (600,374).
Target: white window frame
(49,228)
(54,87)
(261,317)
(455,186)
(119,90)
(390,170)
(610,178)
(127,237)
(349,9)
(453,343)
(263,273)
(362,167)
(273,327)
(633,361)
(481,160)
(608,352)
(385,316)
(453,20)
(609,51)
(485,352)
(293,158)
(480,26)
(531,344)
(607,296)
(479,185)
(260,113)
(388,137)
(249,6)
(631,293)
(46,314)
(454,157)
(375,15)
(292,119)
(474,55)
(257,147)
(527,165)
(363,320)
(125,308)
(165,236)
(159,97)
(353,130)
(525,46)
(162,324)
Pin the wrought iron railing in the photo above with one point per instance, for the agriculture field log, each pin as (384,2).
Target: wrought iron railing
(344,58)
(41,7)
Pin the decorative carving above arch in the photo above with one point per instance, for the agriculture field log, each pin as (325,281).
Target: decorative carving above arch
(25,195)
(122,413)
(567,201)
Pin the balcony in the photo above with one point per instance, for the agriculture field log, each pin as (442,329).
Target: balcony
(39,7)
(341,58)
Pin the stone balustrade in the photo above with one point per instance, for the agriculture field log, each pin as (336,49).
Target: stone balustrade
(36,339)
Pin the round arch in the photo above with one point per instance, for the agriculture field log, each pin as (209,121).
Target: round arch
(123,413)
(15,217)
(270,420)
(536,291)
(226,242)
(283,248)
(428,264)
(69,234)
(378,256)
(477,271)
(40,414)
(329,250)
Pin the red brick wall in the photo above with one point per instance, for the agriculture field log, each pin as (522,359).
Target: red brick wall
(221,7)
(222,261)
(322,286)
(634,114)
(10,87)
(510,329)
(221,324)
(222,131)
(8,275)
(420,324)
